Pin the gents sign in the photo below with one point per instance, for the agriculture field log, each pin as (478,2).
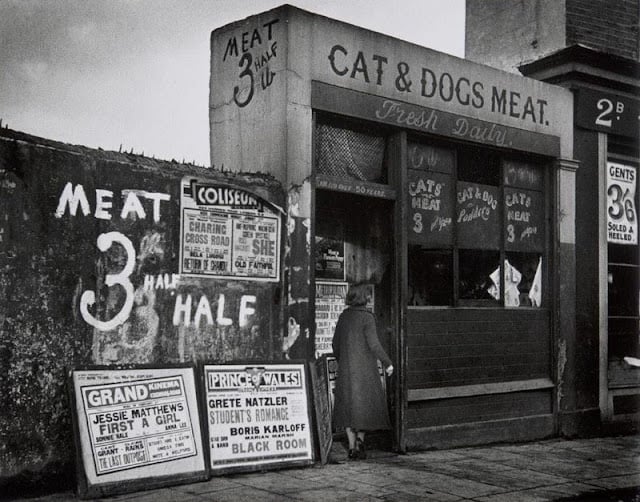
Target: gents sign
(257,416)
(135,424)
(227,233)
(622,216)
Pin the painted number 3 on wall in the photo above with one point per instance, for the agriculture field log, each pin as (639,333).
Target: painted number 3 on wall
(104,242)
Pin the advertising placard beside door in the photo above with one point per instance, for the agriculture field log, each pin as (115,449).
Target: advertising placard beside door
(330,302)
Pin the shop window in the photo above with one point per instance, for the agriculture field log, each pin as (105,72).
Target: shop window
(478,215)
(431,277)
(623,273)
(478,165)
(623,290)
(523,281)
(350,153)
(476,228)
(479,275)
(329,245)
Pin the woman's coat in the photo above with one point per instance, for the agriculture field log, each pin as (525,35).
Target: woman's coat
(360,402)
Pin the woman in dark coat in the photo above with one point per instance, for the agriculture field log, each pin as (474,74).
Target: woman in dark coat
(360,403)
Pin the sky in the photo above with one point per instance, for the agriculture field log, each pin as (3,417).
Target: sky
(134,74)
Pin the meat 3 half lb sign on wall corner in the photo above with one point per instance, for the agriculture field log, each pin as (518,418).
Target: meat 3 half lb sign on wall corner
(227,232)
(257,416)
(136,427)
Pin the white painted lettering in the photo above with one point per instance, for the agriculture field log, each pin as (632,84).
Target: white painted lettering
(72,197)
(132,204)
(182,310)
(220,319)
(148,282)
(245,309)
(204,309)
(88,298)
(102,205)
(157,198)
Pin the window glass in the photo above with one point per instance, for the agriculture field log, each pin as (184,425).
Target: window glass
(350,154)
(623,254)
(623,274)
(623,290)
(430,198)
(431,158)
(479,275)
(430,276)
(524,214)
(476,228)
(479,166)
(523,280)
(478,216)
(522,175)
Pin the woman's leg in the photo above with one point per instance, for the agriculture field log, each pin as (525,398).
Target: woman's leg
(362,452)
(351,436)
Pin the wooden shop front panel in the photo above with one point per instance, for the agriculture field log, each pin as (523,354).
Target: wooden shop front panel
(470,312)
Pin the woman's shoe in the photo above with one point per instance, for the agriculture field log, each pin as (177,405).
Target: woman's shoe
(353,455)
(361,450)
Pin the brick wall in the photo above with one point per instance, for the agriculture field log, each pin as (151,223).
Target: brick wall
(506,33)
(605,25)
(50,261)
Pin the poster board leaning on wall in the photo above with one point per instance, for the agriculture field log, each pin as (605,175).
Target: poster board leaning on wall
(135,428)
(257,416)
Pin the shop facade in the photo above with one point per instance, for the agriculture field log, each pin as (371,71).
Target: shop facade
(446,186)
(606,142)
(593,50)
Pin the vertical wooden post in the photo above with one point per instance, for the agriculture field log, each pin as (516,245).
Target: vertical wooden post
(398,178)
(606,409)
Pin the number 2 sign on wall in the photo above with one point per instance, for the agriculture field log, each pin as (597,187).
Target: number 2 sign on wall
(610,113)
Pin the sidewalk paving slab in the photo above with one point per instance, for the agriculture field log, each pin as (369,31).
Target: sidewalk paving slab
(543,494)
(280,482)
(533,472)
(612,482)
(507,479)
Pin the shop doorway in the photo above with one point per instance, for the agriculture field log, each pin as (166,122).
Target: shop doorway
(354,244)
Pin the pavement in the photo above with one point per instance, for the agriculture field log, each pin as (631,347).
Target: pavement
(554,469)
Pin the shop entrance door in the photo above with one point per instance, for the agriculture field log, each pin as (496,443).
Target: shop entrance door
(354,244)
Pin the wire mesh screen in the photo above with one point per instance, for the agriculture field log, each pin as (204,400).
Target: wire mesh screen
(345,153)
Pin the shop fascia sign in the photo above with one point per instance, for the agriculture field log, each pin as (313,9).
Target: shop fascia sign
(380,65)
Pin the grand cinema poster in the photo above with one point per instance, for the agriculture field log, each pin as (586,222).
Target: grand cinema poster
(257,416)
(136,427)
